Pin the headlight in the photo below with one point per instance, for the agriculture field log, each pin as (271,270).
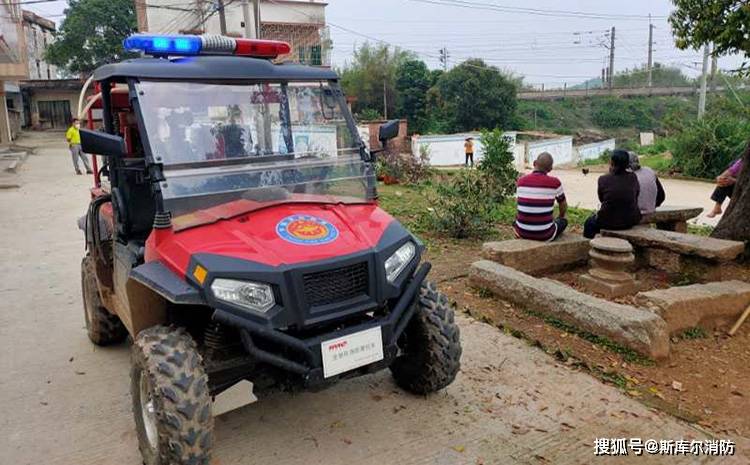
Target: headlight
(398,261)
(254,296)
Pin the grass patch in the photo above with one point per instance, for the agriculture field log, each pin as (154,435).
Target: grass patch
(695,332)
(700,229)
(659,163)
(628,354)
(409,202)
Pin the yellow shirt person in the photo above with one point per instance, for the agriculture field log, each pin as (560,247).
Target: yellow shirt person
(74,142)
(469,151)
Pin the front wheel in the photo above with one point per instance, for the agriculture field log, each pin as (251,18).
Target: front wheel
(430,345)
(171,402)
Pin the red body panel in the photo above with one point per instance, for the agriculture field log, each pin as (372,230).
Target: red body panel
(253,236)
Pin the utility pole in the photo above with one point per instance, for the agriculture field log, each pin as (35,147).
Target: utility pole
(704,78)
(256,18)
(385,100)
(604,77)
(222,17)
(611,57)
(714,67)
(650,50)
(444,58)
(248,20)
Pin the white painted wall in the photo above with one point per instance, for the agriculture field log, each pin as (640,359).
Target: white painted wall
(448,149)
(364,134)
(594,150)
(560,148)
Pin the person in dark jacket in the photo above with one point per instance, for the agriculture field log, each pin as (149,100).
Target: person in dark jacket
(618,193)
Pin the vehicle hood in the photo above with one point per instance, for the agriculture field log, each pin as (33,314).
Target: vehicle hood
(277,235)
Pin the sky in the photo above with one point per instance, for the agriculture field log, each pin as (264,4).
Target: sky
(543,45)
(548,42)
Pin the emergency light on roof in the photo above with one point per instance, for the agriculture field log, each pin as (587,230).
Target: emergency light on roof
(204,45)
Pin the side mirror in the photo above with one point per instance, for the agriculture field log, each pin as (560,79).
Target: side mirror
(388,130)
(101,143)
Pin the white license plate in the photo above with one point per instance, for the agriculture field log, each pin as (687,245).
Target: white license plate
(353,351)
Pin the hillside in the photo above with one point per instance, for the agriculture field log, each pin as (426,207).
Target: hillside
(617,117)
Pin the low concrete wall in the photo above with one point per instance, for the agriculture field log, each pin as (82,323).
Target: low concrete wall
(561,150)
(708,305)
(568,250)
(636,328)
(448,149)
(594,150)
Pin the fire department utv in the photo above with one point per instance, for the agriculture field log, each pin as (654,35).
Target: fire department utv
(234,234)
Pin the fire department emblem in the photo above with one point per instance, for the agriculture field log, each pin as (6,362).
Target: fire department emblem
(306,230)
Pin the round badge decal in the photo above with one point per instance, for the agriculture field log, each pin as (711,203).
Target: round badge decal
(306,230)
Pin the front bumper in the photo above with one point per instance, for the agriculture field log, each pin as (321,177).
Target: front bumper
(307,359)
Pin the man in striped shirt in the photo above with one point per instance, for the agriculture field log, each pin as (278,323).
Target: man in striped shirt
(536,195)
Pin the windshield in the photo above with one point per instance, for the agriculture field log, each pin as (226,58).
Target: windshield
(221,143)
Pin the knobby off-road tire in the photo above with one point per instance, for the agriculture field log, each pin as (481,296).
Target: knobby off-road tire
(171,401)
(430,344)
(102,326)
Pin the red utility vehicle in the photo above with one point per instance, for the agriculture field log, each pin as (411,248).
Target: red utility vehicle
(234,234)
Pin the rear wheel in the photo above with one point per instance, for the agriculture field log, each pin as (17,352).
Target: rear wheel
(102,326)
(171,402)
(430,344)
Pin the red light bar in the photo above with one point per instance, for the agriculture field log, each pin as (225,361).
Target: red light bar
(261,48)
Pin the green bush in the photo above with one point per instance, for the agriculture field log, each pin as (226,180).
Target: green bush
(611,113)
(369,114)
(497,165)
(660,146)
(704,148)
(461,208)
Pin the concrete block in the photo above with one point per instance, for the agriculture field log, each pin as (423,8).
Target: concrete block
(636,328)
(706,305)
(539,257)
(609,289)
(710,248)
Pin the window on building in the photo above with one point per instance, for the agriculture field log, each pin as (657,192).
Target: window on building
(316,55)
(49,75)
(38,70)
(312,55)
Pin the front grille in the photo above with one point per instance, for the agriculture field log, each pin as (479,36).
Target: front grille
(332,286)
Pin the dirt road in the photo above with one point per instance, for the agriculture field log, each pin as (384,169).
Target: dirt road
(64,401)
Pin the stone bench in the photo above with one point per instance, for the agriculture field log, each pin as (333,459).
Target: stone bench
(672,218)
(706,305)
(639,329)
(676,252)
(536,257)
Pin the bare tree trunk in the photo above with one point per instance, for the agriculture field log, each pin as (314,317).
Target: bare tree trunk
(735,223)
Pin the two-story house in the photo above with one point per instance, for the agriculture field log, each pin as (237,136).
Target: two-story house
(299,22)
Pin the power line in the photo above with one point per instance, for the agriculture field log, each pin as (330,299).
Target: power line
(533,11)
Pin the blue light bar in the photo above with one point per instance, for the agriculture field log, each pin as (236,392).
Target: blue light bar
(163,44)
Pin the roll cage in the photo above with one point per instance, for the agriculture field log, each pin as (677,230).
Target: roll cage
(135,178)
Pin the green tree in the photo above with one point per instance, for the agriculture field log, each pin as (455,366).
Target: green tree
(473,96)
(91,34)
(498,165)
(726,23)
(372,72)
(661,75)
(413,80)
